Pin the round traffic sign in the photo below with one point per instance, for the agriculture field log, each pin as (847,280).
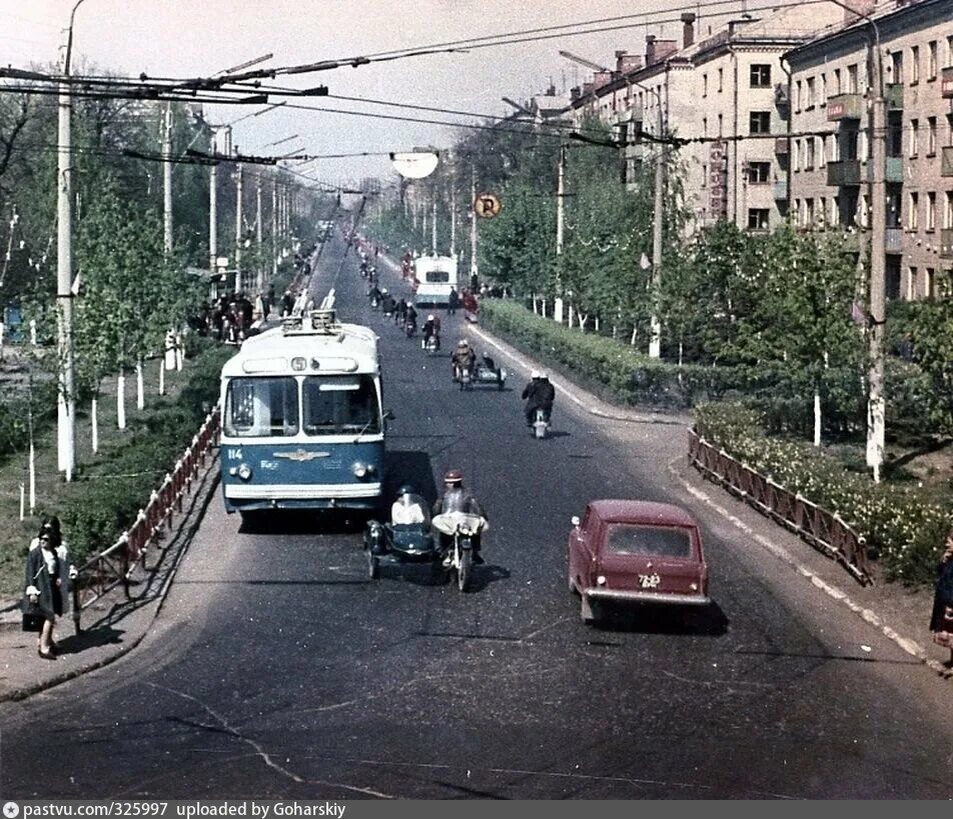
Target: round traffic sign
(486,205)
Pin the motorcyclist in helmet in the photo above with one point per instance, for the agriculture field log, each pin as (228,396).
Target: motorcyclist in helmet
(387,302)
(457,499)
(408,509)
(431,328)
(410,320)
(538,394)
(462,359)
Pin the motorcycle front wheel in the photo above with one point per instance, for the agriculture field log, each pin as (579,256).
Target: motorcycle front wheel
(463,570)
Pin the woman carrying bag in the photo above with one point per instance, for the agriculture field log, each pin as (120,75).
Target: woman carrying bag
(47,588)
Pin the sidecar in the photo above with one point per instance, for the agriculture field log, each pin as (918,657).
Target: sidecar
(484,375)
(401,543)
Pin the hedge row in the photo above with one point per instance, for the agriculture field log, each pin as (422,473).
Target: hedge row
(105,500)
(904,529)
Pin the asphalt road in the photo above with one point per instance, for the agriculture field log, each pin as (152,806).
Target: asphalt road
(278,670)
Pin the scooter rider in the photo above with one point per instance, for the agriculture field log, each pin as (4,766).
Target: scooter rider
(462,359)
(387,302)
(538,394)
(410,322)
(457,499)
(431,328)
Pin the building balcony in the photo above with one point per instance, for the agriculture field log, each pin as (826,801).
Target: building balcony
(844,173)
(844,106)
(893,240)
(946,161)
(781,146)
(893,172)
(946,83)
(946,243)
(893,94)
(781,186)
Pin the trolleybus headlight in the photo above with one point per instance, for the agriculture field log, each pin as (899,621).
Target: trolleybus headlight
(244,472)
(360,470)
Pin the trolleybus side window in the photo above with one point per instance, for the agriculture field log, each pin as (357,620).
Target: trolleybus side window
(261,407)
(338,404)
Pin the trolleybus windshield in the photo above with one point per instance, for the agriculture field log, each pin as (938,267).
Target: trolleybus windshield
(261,407)
(340,404)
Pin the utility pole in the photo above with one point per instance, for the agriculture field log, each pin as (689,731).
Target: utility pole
(274,227)
(65,395)
(560,217)
(473,226)
(213,218)
(655,322)
(260,283)
(167,181)
(878,273)
(434,237)
(239,193)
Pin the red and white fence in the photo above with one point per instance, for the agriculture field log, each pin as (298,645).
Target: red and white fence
(115,565)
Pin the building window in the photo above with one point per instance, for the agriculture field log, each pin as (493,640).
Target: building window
(797,95)
(914,65)
(821,151)
(911,284)
(823,90)
(838,87)
(931,60)
(721,80)
(913,211)
(721,125)
(852,79)
(835,211)
(759,122)
(914,137)
(760,75)
(759,173)
(931,136)
(931,211)
(704,85)
(948,211)
(949,51)
(808,212)
(949,130)
(809,103)
(797,212)
(796,154)
(809,154)
(757,218)
(929,283)
(896,62)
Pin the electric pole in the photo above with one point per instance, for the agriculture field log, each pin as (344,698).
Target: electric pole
(213,218)
(473,226)
(560,217)
(239,193)
(274,227)
(167,181)
(258,237)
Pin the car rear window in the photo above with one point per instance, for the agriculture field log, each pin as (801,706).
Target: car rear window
(662,541)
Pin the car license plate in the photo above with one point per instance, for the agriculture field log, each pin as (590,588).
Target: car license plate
(649,581)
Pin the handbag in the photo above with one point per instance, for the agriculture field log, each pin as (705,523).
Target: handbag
(33,616)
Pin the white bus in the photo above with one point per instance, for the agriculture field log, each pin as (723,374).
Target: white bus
(436,275)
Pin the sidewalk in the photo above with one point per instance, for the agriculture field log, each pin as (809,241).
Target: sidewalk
(900,614)
(111,625)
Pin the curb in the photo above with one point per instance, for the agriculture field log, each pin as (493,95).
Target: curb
(910,646)
(200,501)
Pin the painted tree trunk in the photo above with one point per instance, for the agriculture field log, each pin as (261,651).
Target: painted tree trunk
(140,387)
(161,377)
(94,417)
(817,419)
(121,400)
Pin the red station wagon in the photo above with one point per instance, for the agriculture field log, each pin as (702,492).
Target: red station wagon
(636,551)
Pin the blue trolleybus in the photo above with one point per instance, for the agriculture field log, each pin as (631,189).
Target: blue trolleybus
(302,423)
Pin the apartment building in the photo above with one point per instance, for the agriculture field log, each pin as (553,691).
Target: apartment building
(728,94)
(831,88)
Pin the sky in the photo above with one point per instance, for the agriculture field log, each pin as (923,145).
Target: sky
(176,38)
